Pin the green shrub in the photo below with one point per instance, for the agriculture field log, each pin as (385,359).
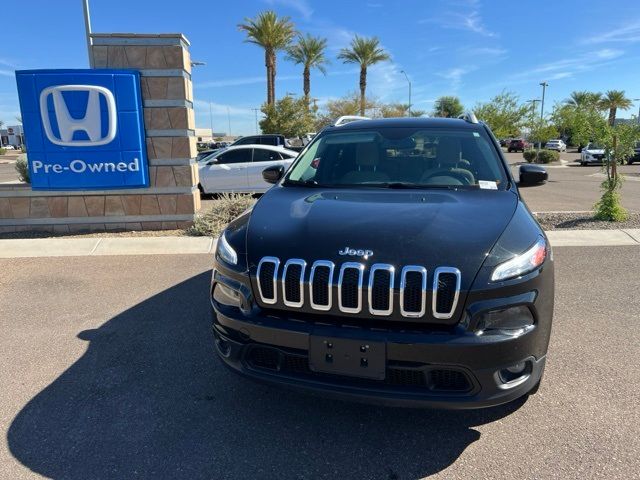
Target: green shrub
(23,169)
(548,156)
(23,148)
(609,207)
(225,208)
(529,155)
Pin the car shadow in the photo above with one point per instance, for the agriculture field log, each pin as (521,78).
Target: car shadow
(149,399)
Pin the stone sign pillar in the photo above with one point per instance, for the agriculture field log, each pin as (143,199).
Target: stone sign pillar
(164,64)
(172,198)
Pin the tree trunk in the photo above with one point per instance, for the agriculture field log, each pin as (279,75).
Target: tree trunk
(306,84)
(273,78)
(267,63)
(363,89)
(614,164)
(612,115)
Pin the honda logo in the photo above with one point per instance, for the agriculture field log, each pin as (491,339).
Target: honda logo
(91,123)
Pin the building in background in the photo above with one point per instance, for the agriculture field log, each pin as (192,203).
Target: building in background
(12,135)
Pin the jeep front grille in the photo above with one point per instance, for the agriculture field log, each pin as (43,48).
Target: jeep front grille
(357,289)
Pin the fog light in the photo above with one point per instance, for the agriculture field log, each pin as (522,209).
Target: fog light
(517,368)
(510,321)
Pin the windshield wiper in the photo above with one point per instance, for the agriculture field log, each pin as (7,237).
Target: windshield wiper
(401,185)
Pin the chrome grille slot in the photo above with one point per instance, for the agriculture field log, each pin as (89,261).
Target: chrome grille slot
(381,280)
(293,282)
(350,287)
(267,275)
(320,285)
(446,289)
(413,291)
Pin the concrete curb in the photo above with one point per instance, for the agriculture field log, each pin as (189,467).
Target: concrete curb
(79,247)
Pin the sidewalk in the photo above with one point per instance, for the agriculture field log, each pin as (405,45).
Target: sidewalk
(73,247)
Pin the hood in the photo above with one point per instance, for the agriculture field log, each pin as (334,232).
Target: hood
(427,228)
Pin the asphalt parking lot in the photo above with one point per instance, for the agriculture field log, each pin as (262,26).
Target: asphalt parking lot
(109,372)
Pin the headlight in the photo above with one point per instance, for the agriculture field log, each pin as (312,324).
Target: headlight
(225,251)
(523,263)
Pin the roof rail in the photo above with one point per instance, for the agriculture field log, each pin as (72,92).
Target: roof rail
(468,117)
(343,120)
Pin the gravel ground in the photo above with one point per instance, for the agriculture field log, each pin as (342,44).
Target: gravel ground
(113,233)
(583,221)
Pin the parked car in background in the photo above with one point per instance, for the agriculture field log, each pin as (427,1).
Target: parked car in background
(636,154)
(204,154)
(592,154)
(239,168)
(275,140)
(8,147)
(518,145)
(557,145)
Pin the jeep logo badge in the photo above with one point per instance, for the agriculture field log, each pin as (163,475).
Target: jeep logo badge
(352,252)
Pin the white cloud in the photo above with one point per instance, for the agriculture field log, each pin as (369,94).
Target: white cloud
(487,51)
(454,75)
(466,16)
(627,34)
(301,6)
(7,73)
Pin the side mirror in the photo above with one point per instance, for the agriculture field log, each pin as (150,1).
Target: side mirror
(532,175)
(273,174)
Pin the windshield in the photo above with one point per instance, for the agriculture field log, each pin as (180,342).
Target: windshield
(595,146)
(401,157)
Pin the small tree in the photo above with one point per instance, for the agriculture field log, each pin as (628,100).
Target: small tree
(289,117)
(618,142)
(347,105)
(541,131)
(398,110)
(448,106)
(504,114)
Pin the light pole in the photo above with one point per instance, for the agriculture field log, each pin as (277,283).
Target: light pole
(211,119)
(544,86)
(409,82)
(255,110)
(87,29)
(229,120)
(638,100)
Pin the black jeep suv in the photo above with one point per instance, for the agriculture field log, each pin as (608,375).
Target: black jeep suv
(394,262)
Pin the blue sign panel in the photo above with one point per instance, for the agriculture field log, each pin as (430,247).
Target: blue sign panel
(84,129)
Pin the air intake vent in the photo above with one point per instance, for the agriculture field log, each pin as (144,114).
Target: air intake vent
(293,282)
(267,275)
(381,278)
(413,291)
(320,284)
(350,287)
(446,288)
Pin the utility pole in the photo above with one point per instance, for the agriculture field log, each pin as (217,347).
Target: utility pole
(211,120)
(229,120)
(637,100)
(255,110)
(409,82)
(87,30)
(544,86)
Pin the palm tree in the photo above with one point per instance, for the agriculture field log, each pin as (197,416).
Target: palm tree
(583,99)
(612,101)
(308,51)
(448,106)
(364,52)
(272,34)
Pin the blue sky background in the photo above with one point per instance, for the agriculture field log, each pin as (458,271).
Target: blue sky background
(469,48)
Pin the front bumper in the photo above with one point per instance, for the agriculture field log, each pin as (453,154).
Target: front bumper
(413,361)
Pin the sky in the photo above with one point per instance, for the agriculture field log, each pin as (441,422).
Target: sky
(469,48)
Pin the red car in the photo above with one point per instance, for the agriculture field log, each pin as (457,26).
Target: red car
(518,144)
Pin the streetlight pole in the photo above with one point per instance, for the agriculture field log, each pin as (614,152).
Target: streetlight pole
(409,82)
(255,110)
(211,120)
(229,120)
(544,86)
(87,29)
(637,100)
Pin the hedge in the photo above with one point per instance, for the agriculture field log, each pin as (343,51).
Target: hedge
(543,156)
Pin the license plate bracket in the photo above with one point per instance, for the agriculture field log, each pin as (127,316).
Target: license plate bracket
(346,356)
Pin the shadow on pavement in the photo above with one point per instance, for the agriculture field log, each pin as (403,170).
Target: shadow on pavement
(149,399)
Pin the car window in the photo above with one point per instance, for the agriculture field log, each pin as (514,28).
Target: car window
(245,141)
(235,156)
(388,156)
(264,155)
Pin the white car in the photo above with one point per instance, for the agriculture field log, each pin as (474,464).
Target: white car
(558,145)
(239,168)
(8,147)
(592,154)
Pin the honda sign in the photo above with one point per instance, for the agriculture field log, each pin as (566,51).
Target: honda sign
(83,128)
